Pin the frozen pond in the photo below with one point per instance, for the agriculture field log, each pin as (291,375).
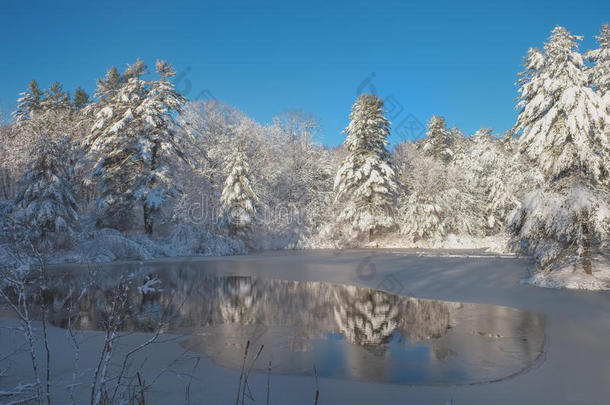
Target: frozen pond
(348,332)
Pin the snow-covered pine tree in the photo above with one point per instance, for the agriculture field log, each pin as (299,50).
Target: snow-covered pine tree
(238,198)
(109,85)
(366,182)
(600,70)
(439,141)
(45,207)
(564,132)
(55,98)
(134,138)
(560,117)
(161,143)
(29,103)
(80,99)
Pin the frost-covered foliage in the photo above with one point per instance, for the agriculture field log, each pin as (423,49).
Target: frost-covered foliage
(565,133)
(555,224)
(159,160)
(496,174)
(292,172)
(561,117)
(238,199)
(46,209)
(301,183)
(440,140)
(134,139)
(600,71)
(366,182)
(29,103)
(437,201)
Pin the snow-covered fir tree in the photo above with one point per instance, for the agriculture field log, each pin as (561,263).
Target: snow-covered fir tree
(600,70)
(440,139)
(135,137)
(366,182)
(46,208)
(564,132)
(238,200)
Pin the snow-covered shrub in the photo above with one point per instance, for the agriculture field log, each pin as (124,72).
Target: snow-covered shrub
(556,224)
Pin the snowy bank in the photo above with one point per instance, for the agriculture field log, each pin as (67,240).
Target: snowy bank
(572,276)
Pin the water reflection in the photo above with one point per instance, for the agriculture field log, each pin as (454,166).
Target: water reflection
(347,331)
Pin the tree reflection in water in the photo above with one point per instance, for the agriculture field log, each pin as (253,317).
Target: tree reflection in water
(347,331)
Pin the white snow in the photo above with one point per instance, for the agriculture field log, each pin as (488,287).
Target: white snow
(572,276)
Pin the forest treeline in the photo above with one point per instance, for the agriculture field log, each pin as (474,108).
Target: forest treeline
(138,170)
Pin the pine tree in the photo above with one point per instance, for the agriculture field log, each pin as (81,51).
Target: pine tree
(439,141)
(135,137)
(560,117)
(80,99)
(365,182)
(45,206)
(564,132)
(30,102)
(109,85)
(600,71)
(238,198)
(55,98)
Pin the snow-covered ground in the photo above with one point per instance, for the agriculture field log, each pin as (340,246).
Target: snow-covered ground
(573,276)
(575,369)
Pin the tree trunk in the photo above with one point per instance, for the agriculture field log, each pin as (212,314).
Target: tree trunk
(371,235)
(586,243)
(148,221)
(148,214)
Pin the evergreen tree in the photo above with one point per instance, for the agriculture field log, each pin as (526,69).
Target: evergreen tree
(564,132)
(45,206)
(365,182)
(135,138)
(109,85)
(80,99)
(600,71)
(29,103)
(56,98)
(560,117)
(439,141)
(238,198)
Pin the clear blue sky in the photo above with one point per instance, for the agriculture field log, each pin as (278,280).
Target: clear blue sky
(451,58)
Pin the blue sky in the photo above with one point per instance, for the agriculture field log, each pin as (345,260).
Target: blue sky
(457,59)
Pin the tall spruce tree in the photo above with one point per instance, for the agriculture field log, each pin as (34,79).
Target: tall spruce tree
(366,182)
